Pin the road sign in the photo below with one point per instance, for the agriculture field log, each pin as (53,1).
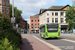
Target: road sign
(12,19)
(16,25)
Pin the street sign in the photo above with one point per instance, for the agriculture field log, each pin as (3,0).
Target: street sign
(16,25)
(12,19)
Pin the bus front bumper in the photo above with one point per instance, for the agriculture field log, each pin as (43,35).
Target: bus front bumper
(52,36)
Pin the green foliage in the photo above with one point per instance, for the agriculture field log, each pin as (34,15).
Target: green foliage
(17,13)
(6,45)
(70,16)
(6,31)
(12,35)
(5,23)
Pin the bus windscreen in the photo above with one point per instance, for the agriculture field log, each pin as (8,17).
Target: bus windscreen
(52,28)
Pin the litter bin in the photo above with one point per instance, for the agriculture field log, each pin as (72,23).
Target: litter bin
(25,31)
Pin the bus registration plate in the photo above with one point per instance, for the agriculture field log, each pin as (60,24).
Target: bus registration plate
(52,37)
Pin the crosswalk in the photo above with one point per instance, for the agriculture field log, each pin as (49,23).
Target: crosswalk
(68,40)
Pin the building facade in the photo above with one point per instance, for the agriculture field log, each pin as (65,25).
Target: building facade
(34,23)
(5,8)
(54,14)
(73,2)
(23,24)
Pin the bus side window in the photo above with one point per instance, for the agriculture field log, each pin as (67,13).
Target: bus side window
(43,28)
(40,29)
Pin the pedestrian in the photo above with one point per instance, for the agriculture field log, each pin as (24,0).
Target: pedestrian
(62,31)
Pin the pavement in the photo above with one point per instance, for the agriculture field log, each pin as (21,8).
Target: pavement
(35,42)
(29,42)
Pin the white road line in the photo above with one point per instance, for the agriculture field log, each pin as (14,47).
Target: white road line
(68,40)
(48,44)
(70,36)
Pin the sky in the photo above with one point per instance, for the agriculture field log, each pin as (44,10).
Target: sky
(32,7)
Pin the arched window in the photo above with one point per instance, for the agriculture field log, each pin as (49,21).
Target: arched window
(7,3)
(7,10)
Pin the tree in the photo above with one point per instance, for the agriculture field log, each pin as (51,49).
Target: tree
(17,13)
(5,23)
(70,16)
(28,25)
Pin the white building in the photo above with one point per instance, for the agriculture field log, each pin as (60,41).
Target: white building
(54,14)
(73,2)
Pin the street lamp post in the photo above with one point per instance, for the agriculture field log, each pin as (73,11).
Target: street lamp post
(13,10)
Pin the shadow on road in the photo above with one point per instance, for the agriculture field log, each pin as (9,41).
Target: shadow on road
(25,45)
(54,38)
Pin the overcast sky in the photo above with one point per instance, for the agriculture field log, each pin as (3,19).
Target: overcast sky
(32,7)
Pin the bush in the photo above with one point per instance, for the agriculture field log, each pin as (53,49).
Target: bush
(6,31)
(12,35)
(5,23)
(5,45)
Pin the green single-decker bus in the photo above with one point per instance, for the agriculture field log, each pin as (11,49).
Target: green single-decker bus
(50,30)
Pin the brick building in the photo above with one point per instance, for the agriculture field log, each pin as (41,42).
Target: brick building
(34,23)
(5,7)
(23,24)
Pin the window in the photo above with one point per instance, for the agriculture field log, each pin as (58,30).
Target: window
(61,20)
(7,10)
(35,23)
(3,10)
(32,24)
(47,14)
(56,14)
(31,20)
(3,2)
(62,13)
(52,28)
(38,20)
(35,20)
(52,20)
(32,27)
(38,23)
(6,2)
(52,14)
(67,7)
(56,20)
(47,20)
(42,29)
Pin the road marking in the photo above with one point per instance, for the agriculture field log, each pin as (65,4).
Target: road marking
(68,40)
(48,44)
(68,36)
